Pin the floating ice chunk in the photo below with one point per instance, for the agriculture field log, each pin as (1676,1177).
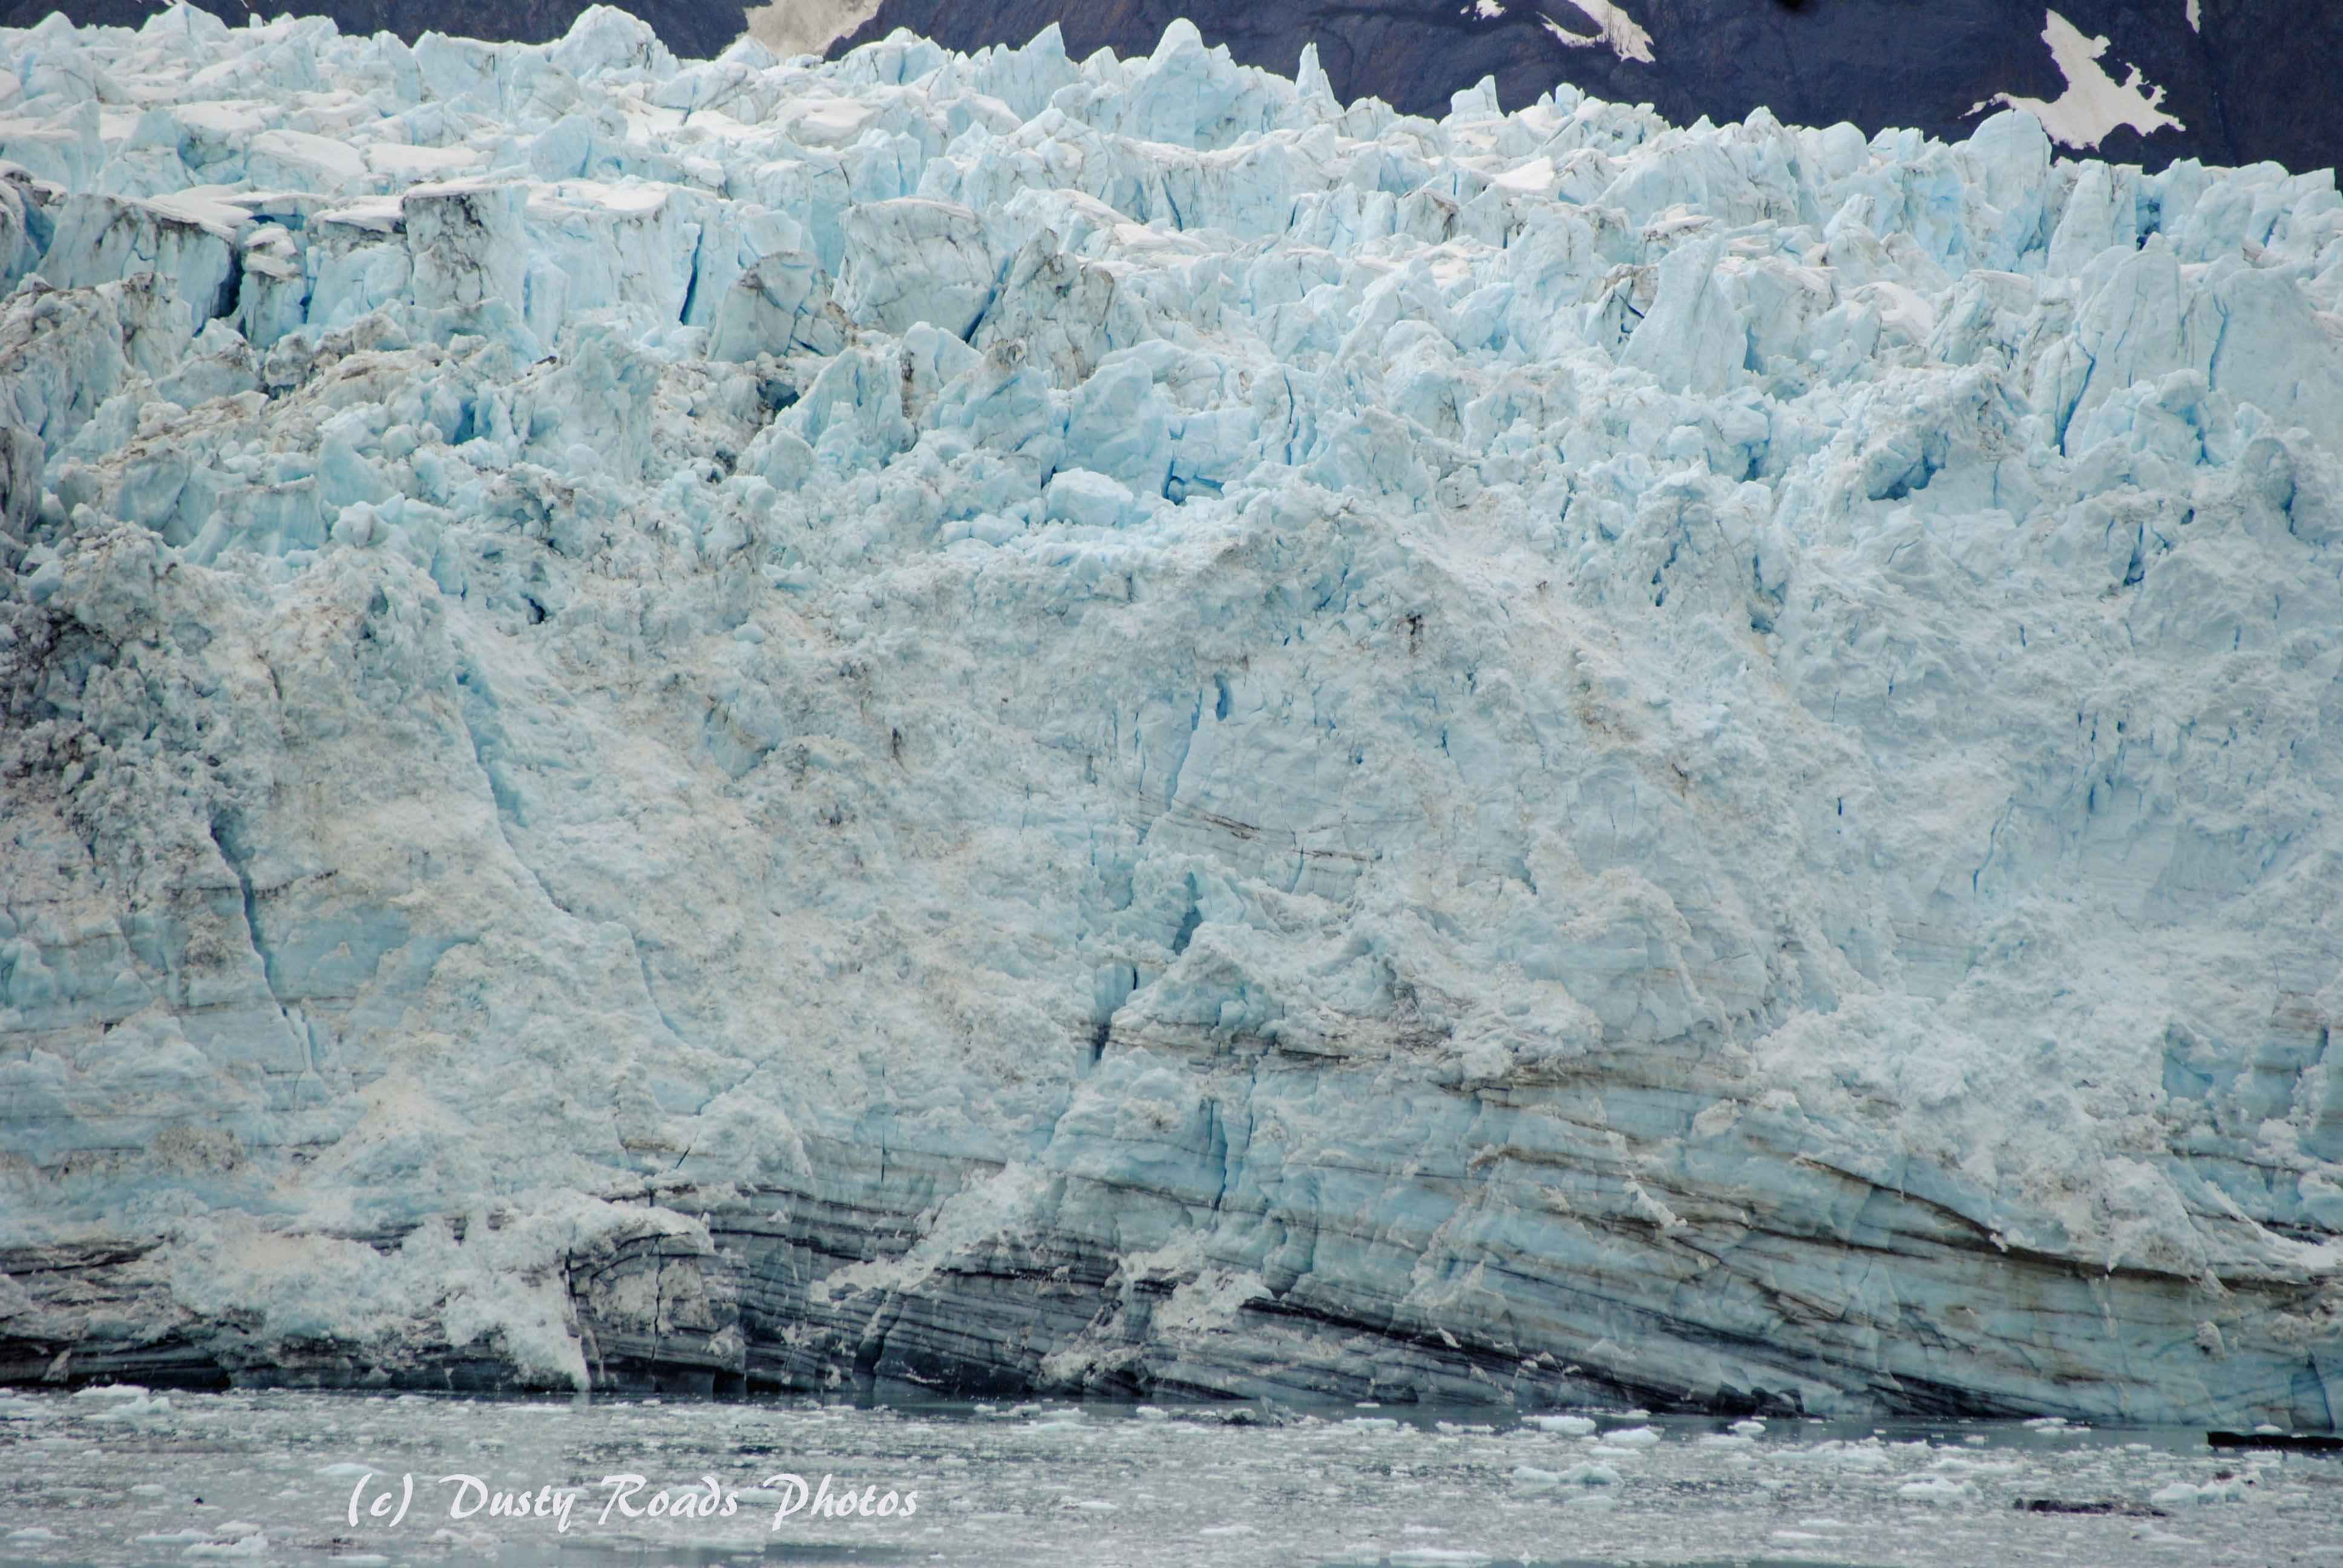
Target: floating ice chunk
(139,1414)
(2197,1494)
(1937,1488)
(1567,1425)
(1867,1455)
(1634,1437)
(1590,1475)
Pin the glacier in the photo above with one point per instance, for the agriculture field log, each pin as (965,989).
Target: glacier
(995,723)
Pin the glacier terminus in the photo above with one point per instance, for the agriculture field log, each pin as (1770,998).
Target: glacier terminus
(1003,724)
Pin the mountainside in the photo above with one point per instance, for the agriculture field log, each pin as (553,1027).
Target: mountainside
(2225,81)
(698,28)
(2222,81)
(1009,724)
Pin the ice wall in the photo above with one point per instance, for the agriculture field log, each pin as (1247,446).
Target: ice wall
(1010,723)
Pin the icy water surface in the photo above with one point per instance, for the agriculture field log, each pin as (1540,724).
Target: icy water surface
(120,1477)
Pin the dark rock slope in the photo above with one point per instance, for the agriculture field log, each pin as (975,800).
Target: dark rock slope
(695,29)
(2249,81)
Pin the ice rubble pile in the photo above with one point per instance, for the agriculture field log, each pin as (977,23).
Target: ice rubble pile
(1013,723)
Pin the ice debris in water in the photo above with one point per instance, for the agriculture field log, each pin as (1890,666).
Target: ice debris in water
(1177,1489)
(1267,743)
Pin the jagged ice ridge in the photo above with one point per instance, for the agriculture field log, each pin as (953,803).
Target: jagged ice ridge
(1010,723)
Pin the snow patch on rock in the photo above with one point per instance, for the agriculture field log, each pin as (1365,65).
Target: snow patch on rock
(2094,103)
(1621,34)
(793,27)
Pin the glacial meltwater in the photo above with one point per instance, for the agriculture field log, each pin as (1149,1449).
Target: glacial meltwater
(124,1476)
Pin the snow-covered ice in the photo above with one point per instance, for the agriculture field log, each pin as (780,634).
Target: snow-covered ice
(1018,723)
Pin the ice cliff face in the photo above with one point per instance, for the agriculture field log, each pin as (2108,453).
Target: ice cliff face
(1014,724)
